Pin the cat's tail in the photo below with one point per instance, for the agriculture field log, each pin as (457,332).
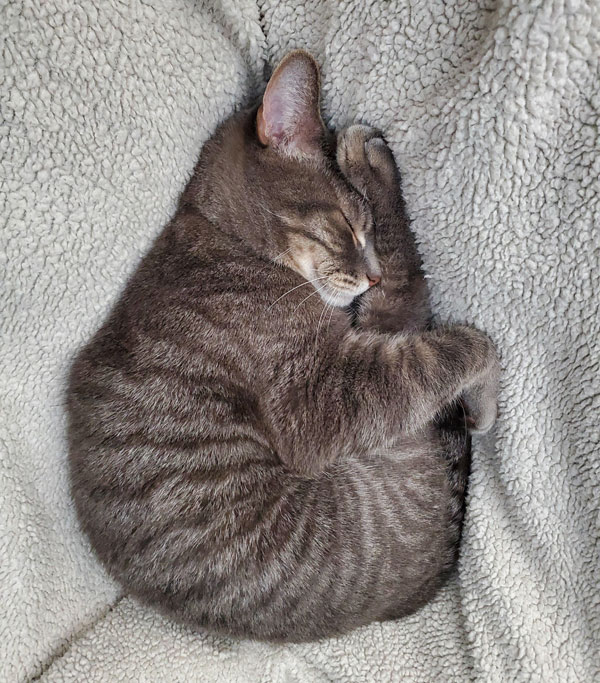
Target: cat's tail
(456,450)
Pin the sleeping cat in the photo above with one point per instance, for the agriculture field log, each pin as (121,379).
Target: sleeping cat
(266,436)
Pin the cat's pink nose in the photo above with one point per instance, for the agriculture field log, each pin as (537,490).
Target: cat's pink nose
(373,279)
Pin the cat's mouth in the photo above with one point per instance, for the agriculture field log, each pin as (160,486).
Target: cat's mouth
(340,297)
(332,292)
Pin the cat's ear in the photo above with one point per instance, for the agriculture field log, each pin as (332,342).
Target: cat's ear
(289,118)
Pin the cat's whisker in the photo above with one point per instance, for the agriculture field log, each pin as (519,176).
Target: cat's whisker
(274,260)
(331,314)
(283,253)
(317,291)
(327,304)
(308,282)
(277,215)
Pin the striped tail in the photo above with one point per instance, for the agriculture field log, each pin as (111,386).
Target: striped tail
(456,449)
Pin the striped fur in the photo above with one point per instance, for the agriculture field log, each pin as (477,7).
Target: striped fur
(250,459)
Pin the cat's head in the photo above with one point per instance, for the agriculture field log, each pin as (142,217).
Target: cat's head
(325,227)
(269,175)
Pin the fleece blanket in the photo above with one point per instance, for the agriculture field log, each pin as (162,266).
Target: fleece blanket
(492,108)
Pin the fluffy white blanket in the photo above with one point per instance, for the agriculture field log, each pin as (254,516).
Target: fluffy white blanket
(492,109)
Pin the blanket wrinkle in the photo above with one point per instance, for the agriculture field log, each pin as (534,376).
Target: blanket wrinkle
(492,108)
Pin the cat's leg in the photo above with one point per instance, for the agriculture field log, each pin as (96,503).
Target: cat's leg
(362,391)
(400,301)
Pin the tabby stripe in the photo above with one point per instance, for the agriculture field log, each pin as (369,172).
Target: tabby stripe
(302,548)
(372,572)
(287,556)
(320,582)
(349,543)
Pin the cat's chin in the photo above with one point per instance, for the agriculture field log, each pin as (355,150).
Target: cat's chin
(337,298)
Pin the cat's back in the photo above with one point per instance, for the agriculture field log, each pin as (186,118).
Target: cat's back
(191,301)
(164,419)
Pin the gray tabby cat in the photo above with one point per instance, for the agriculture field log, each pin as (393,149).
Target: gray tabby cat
(248,453)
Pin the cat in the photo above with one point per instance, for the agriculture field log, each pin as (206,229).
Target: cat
(266,436)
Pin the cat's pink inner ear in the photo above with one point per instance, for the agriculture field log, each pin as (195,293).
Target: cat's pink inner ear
(289,118)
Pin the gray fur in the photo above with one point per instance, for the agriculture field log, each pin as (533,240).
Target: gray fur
(257,460)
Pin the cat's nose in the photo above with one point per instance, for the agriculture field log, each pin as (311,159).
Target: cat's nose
(373,279)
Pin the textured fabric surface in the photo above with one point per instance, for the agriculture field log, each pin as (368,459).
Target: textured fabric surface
(492,110)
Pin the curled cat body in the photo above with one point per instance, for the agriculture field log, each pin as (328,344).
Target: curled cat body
(267,436)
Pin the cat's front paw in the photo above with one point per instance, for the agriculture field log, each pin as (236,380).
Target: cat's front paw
(366,160)
(481,404)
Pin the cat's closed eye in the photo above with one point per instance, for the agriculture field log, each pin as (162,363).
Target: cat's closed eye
(358,230)
(335,252)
